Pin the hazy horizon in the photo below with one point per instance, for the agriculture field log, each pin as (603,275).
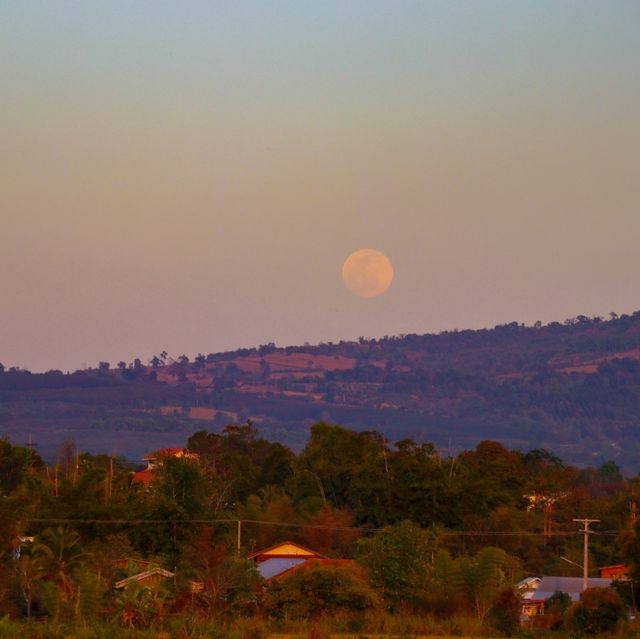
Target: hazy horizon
(190,177)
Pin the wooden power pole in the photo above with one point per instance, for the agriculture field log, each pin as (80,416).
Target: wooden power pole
(585,564)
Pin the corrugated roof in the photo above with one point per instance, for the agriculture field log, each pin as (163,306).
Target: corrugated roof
(276,566)
(144,575)
(569,585)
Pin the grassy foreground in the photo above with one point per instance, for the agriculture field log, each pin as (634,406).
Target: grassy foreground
(248,628)
(258,629)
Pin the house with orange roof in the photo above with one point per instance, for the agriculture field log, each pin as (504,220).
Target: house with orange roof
(155,461)
(619,572)
(283,557)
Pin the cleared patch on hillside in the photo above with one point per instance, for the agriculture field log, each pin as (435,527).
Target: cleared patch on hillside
(281,362)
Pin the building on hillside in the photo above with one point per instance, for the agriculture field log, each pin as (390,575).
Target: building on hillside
(618,572)
(129,563)
(148,579)
(571,586)
(534,591)
(282,557)
(125,567)
(279,559)
(526,589)
(155,461)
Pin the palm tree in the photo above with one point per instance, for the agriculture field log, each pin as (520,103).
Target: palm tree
(137,605)
(59,554)
(29,571)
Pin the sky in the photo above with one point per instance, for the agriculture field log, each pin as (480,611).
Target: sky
(190,176)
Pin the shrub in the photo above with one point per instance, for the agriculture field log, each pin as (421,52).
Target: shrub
(558,603)
(504,616)
(318,588)
(9,628)
(599,611)
(396,561)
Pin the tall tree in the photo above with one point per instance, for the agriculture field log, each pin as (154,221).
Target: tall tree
(399,559)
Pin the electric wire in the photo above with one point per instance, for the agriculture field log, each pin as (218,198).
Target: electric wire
(363,529)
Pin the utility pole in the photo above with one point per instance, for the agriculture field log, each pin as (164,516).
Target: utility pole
(109,482)
(585,565)
(547,508)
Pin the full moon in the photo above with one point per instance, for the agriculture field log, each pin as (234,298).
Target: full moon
(367,273)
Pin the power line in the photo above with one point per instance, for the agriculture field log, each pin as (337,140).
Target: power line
(60,520)
(260,522)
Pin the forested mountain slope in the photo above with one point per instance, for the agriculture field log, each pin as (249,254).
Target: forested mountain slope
(573,388)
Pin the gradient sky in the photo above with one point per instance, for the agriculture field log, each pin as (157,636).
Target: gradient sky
(190,176)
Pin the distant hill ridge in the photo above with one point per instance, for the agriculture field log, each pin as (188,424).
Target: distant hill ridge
(572,387)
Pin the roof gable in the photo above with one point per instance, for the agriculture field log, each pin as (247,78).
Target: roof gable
(285,549)
(141,576)
(527,587)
